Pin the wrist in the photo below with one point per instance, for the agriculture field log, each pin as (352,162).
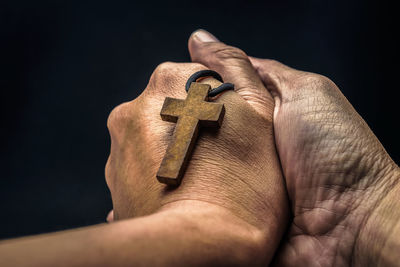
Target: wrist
(378,240)
(232,238)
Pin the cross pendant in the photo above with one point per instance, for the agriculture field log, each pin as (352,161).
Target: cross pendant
(189,115)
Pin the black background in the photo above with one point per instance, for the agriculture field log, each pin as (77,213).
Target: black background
(66,64)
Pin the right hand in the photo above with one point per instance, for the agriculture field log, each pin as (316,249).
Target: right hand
(337,172)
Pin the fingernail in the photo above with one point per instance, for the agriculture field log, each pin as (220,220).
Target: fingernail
(204,36)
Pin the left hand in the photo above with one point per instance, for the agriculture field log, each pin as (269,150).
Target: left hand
(235,168)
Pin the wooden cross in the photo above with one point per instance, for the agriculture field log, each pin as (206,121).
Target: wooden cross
(189,115)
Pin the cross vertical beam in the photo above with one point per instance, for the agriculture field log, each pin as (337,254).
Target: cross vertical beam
(189,114)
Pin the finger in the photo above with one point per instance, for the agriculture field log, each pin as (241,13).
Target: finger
(274,74)
(110,216)
(234,66)
(169,79)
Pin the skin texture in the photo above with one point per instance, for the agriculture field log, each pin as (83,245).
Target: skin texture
(232,206)
(218,172)
(337,172)
(188,234)
(342,185)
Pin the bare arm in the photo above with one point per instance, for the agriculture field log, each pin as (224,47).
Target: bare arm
(231,208)
(190,234)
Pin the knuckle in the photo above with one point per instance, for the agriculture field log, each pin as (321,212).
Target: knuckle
(165,66)
(163,74)
(318,78)
(169,76)
(163,70)
(319,81)
(314,85)
(273,62)
(118,116)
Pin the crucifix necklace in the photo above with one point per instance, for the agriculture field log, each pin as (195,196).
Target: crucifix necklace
(189,115)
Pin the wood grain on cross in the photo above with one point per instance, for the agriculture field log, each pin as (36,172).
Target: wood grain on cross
(189,114)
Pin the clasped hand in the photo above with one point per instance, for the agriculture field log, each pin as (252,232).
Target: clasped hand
(293,176)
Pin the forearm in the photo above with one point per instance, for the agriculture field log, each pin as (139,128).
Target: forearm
(168,238)
(379,239)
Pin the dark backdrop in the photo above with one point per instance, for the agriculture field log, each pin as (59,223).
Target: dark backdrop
(66,64)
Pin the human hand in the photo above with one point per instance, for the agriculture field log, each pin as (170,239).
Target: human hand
(337,172)
(339,177)
(235,168)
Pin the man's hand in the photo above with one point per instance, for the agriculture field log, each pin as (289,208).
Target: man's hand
(339,178)
(337,172)
(235,168)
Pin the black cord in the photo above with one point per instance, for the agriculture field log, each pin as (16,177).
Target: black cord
(208,73)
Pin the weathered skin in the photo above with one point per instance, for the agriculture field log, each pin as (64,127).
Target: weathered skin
(342,185)
(231,208)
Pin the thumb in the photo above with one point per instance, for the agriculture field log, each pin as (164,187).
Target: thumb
(275,75)
(234,67)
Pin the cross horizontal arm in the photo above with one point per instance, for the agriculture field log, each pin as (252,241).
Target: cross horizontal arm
(211,114)
(172,109)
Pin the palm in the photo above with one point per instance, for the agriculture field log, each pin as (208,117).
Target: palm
(322,145)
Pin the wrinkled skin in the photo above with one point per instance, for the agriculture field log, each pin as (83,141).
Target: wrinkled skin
(337,173)
(235,167)
(336,170)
